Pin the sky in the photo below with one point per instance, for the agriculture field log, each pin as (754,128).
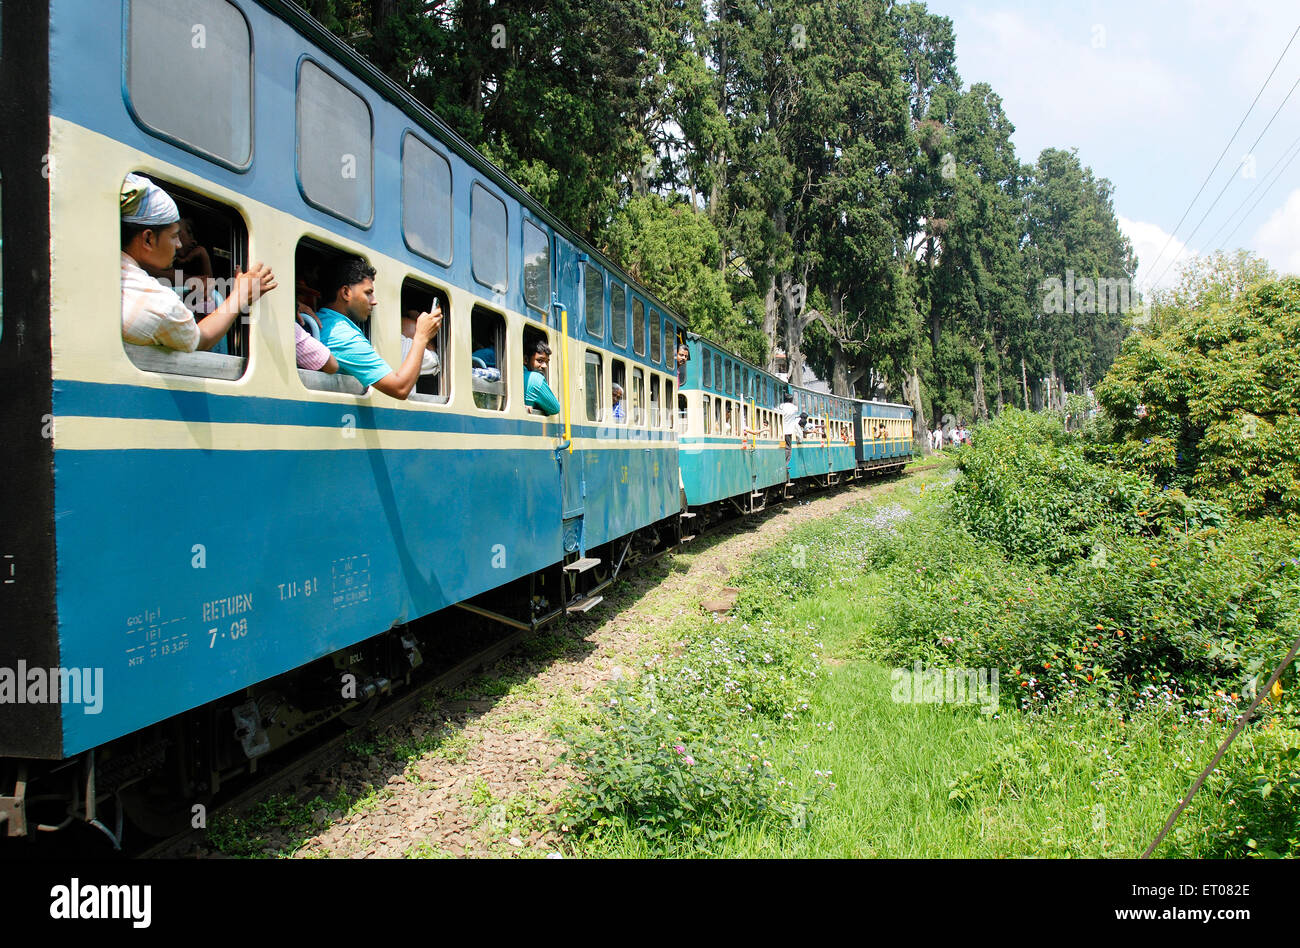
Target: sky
(1150,92)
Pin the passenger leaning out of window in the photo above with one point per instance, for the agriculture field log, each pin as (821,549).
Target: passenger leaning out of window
(349,286)
(537,394)
(152,313)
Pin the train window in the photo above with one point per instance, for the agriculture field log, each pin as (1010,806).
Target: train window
(638,397)
(717,371)
(618,378)
(487,237)
(312,261)
(593,283)
(594,386)
(708,368)
(707,425)
(532,335)
(727,427)
(717,415)
(335,170)
(434,384)
(214,241)
(682,408)
(205,46)
(638,326)
(488,345)
(656,342)
(618,315)
(426,200)
(668,401)
(537,267)
(670,340)
(654,401)
(730,389)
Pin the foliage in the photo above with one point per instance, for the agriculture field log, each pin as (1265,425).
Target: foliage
(1209,402)
(680,755)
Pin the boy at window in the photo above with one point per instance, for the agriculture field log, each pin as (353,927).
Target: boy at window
(349,286)
(152,313)
(537,394)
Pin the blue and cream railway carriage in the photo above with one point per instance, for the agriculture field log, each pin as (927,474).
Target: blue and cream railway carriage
(223,537)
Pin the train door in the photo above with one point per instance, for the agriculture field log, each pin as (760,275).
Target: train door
(572,462)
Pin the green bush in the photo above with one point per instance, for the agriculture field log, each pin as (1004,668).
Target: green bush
(678,755)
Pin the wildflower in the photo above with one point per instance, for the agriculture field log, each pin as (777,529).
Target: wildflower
(680,749)
(690,761)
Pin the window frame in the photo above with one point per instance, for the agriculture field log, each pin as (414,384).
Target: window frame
(297,145)
(172,139)
(502,356)
(444,339)
(478,185)
(600,385)
(545,305)
(656,336)
(588,269)
(638,414)
(614,321)
(451,206)
(638,336)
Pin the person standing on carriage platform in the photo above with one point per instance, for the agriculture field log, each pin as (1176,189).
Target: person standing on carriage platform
(789,421)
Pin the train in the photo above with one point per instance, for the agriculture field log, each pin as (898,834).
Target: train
(209,554)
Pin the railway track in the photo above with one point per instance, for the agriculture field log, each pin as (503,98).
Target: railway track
(291,773)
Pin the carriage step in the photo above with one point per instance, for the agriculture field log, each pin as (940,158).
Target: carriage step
(585,605)
(686,515)
(582,565)
(686,539)
(757,493)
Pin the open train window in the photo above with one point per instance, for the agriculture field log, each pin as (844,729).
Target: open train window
(654,401)
(434,383)
(488,344)
(638,397)
(335,145)
(593,288)
(312,263)
(717,415)
(708,425)
(426,200)
(618,380)
(618,314)
(487,237)
(532,335)
(669,402)
(198,277)
(593,385)
(537,268)
(189,76)
(638,326)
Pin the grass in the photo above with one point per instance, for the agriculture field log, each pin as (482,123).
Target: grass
(900,780)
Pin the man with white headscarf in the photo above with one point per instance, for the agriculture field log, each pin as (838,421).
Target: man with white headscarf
(152,313)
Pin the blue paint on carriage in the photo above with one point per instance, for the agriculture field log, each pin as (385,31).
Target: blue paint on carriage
(710,474)
(101,400)
(313,550)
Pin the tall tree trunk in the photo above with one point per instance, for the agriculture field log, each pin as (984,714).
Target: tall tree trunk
(981,406)
(770,305)
(1024,382)
(912,395)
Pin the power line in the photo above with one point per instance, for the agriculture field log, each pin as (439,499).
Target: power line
(1225,151)
(1261,197)
(1265,182)
(1232,177)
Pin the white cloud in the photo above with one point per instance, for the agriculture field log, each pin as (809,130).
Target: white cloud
(1278,239)
(1148,240)
(1062,90)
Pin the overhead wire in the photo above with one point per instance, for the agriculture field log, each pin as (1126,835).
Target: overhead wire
(1240,124)
(1265,182)
(1231,177)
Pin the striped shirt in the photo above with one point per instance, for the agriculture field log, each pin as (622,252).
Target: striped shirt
(152,313)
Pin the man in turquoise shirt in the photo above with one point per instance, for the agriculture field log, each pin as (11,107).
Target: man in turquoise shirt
(350,288)
(537,394)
